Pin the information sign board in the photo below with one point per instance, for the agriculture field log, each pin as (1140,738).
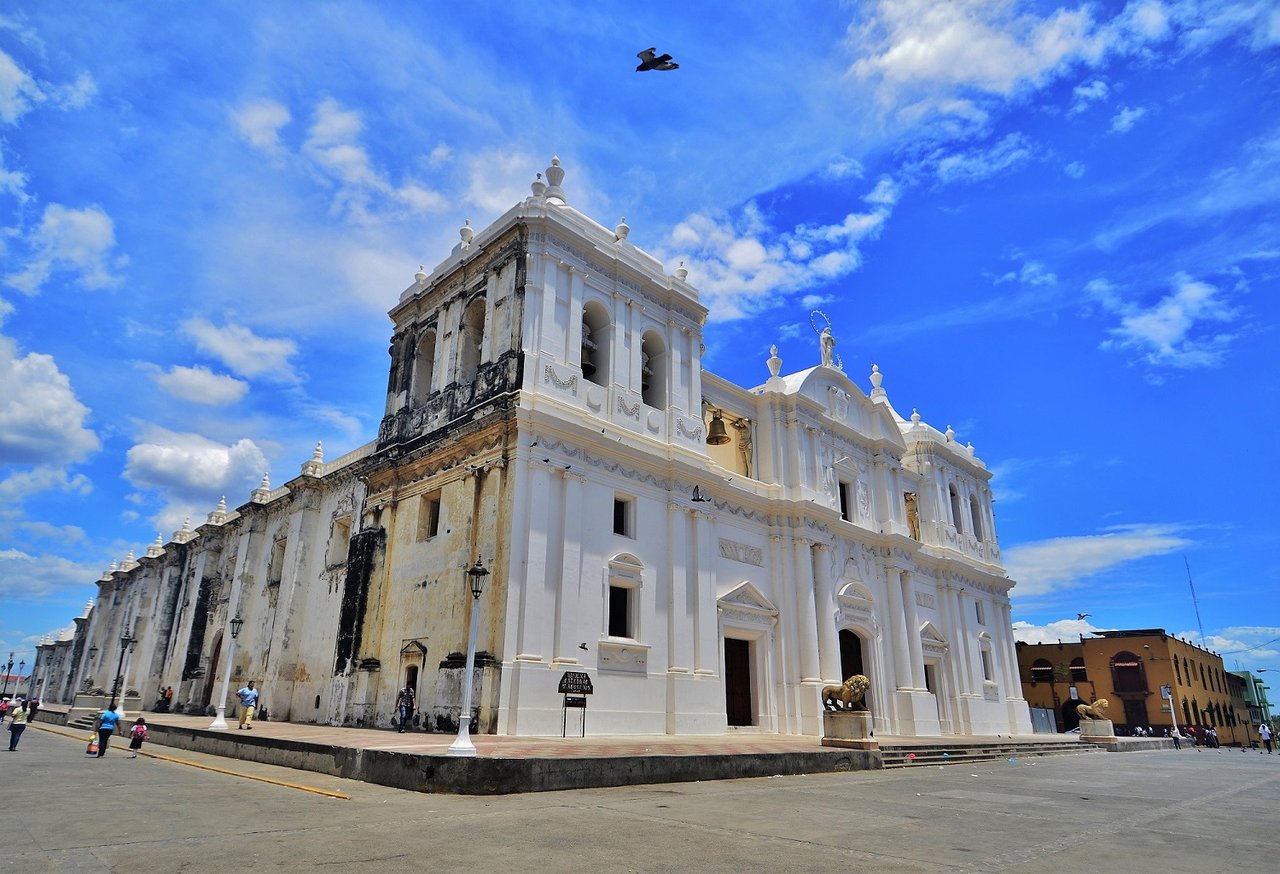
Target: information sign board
(575,683)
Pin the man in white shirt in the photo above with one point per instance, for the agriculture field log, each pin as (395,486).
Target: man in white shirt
(1264,732)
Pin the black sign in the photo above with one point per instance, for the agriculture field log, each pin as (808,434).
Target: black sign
(575,683)
(575,701)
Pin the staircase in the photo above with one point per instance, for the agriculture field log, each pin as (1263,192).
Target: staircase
(908,755)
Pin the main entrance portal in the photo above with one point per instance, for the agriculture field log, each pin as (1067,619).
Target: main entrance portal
(737,682)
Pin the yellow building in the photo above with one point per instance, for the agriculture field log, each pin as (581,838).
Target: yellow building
(1130,669)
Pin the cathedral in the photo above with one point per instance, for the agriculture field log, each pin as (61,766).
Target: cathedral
(707,555)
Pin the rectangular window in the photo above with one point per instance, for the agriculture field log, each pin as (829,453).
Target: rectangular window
(979,610)
(429,516)
(620,611)
(275,570)
(844,501)
(339,542)
(624,516)
(988,672)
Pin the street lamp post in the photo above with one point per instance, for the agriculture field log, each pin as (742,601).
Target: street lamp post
(463,746)
(127,643)
(22,666)
(7,668)
(220,721)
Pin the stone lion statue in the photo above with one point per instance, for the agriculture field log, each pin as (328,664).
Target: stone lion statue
(1096,710)
(848,695)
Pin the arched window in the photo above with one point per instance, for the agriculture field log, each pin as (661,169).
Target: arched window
(1078,672)
(424,365)
(955,508)
(1127,674)
(653,370)
(1186,712)
(975,514)
(1177,671)
(472,332)
(1042,671)
(622,597)
(597,338)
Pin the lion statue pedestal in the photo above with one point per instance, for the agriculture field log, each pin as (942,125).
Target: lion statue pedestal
(1094,725)
(846,722)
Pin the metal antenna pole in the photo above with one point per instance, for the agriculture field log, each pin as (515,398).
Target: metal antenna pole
(1194,601)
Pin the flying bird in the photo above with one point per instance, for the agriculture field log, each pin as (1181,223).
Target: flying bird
(650,61)
(698,496)
(1083,615)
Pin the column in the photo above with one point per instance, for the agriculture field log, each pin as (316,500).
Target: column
(899,628)
(825,598)
(569,595)
(1008,652)
(706,624)
(676,388)
(679,608)
(913,629)
(530,645)
(966,644)
(805,611)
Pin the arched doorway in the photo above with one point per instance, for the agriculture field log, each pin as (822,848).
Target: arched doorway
(1071,716)
(211,676)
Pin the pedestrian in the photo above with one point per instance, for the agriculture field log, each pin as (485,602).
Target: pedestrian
(405,707)
(248,702)
(1177,739)
(33,705)
(19,714)
(106,724)
(137,735)
(4,709)
(1264,732)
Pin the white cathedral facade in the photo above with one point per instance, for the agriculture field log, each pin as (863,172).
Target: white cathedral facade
(709,555)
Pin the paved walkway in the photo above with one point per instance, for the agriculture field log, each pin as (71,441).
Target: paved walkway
(502,765)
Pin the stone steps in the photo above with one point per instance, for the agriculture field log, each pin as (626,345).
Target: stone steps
(905,756)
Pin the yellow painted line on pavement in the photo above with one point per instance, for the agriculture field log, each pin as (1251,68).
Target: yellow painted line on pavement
(300,787)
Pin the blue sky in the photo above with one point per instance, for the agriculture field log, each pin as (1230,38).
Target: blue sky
(1053,227)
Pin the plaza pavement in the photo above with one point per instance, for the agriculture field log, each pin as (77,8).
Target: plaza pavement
(1158,811)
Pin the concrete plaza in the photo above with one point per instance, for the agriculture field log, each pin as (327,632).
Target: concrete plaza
(1193,811)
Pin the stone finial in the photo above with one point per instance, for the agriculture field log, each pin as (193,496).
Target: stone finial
(538,187)
(681,272)
(466,233)
(156,549)
(314,466)
(555,175)
(876,378)
(421,275)
(262,493)
(915,416)
(184,534)
(774,362)
(622,230)
(130,561)
(950,434)
(219,514)
(970,448)
(88,607)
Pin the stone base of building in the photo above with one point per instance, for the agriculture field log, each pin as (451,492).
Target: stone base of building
(851,730)
(1097,731)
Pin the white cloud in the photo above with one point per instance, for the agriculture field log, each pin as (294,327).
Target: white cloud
(499,178)
(1248,644)
(260,121)
(842,167)
(1088,93)
(1075,170)
(200,385)
(921,47)
(80,241)
(362,191)
(243,351)
(1125,118)
(1179,330)
(1031,273)
(1067,562)
(28,577)
(741,264)
(189,466)
(1066,630)
(13,182)
(1010,153)
(22,484)
(41,420)
(18,90)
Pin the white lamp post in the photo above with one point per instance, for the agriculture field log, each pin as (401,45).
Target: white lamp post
(220,721)
(463,746)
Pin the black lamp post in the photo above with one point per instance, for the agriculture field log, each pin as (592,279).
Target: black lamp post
(127,643)
(220,718)
(463,746)
(7,668)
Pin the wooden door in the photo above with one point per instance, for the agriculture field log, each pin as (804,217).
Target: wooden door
(737,682)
